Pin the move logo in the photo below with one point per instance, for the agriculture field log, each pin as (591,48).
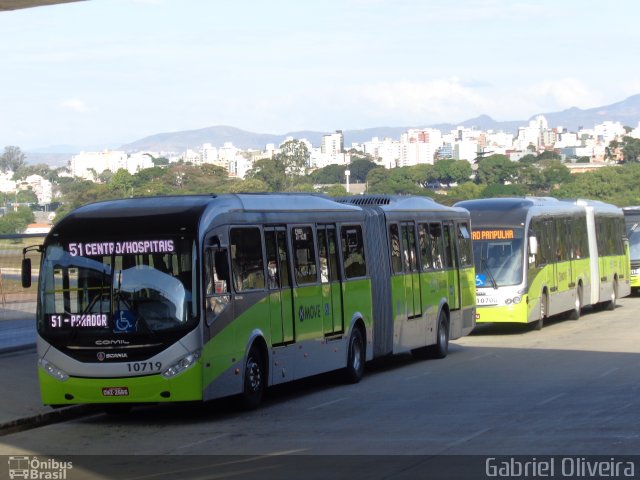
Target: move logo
(309,312)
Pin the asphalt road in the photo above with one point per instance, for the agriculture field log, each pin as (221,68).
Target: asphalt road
(571,389)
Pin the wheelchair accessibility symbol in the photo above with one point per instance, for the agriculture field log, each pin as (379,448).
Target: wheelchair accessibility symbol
(125,322)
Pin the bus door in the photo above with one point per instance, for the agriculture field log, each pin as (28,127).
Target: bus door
(412,275)
(333,321)
(570,240)
(452,265)
(279,285)
(308,301)
(563,264)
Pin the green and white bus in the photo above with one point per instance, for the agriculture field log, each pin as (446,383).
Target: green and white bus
(632,220)
(169,299)
(537,257)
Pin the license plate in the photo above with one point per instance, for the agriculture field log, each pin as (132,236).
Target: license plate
(115,392)
(486,301)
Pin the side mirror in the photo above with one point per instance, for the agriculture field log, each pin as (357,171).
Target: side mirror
(533,246)
(26,272)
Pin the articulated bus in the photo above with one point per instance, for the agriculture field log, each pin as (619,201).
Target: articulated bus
(632,220)
(169,299)
(538,257)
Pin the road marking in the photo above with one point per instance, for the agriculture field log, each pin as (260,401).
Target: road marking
(468,437)
(608,372)
(189,445)
(550,399)
(413,377)
(327,403)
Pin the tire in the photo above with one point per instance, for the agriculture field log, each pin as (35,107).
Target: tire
(575,313)
(441,348)
(354,371)
(544,310)
(611,304)
(254,380)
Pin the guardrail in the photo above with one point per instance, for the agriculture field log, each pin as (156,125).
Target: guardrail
(17,303)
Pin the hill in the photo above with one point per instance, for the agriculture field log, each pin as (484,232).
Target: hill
(627,112)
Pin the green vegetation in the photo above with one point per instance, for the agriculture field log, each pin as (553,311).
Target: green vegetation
(448,181)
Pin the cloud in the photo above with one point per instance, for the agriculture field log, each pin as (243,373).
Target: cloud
(74,105)
(434,101)
(563,93)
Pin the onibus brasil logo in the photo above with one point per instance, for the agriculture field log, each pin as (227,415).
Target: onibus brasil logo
(37,468)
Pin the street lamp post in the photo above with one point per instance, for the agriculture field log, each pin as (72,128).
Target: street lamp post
(347,173)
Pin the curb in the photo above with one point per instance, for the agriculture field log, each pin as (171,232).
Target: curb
(17,348)
(40,420)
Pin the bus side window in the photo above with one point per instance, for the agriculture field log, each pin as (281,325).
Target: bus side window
(353,252)
(464,241)
(304,255)
(396,254)
(437,248)
(425,247)
(216,280)
(246,259)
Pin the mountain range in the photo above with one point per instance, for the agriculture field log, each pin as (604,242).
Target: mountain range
(626,112)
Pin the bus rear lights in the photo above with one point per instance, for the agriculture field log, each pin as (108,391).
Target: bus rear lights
(52,370)
(514,300)
(183,364)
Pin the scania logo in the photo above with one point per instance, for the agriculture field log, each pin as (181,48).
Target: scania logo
(111,356)
(112,342)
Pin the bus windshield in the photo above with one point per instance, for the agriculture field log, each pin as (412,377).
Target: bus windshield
(118,287)
(633,232)
(498,256)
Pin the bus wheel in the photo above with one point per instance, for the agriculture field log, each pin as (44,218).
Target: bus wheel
(575,313)
(611,304)
(254,380)
(355,360)
(441,348)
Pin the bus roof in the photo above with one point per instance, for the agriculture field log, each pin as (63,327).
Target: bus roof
(391,203)
(599,207)
(182,212)
(513,211)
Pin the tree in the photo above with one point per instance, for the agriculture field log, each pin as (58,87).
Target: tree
(270,171)
(16,222)
(294,157)
(336,191)
(121,183)
(26,196)
(497,169)
(452,171)
(631,149)
(330,174)
(360,167)
(12,159)
(555,173)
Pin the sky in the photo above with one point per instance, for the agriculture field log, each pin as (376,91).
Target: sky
(102,72)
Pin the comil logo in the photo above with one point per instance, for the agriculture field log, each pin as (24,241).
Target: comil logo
(37,468)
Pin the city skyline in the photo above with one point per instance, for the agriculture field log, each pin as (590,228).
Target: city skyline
(100,71)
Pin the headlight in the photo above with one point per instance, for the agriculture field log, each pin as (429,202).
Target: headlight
(181,365)
(52,370)
(517,300)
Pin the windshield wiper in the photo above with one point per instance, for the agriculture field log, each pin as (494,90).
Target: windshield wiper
(485,266)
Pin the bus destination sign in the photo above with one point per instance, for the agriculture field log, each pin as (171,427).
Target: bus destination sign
(121,248)
(493,234)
